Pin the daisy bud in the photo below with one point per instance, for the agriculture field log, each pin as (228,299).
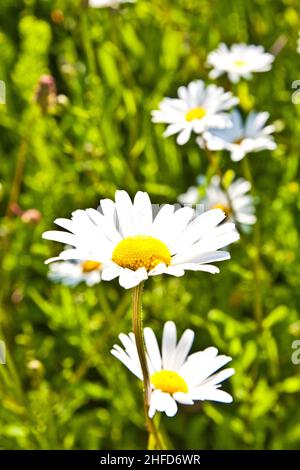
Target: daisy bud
(45,95)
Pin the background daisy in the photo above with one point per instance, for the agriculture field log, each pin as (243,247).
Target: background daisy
(239,61)
(108,3)
(72,273)
(196,109)
(133,245)
(241,138)
(176,376)
(235,202)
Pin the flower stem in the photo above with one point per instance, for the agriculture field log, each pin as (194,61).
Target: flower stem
(18,176)
(137,324)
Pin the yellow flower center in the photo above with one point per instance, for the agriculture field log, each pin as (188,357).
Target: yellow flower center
(195,113)
(89,266)
(226,209)
(169,381)
(239,63)
(141,251)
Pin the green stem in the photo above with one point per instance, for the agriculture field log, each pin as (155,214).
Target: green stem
(87,44)
(18,176)
(137,324)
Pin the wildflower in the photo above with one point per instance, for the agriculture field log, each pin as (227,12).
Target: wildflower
(175,376)
(234,202)
(239,61)
(72,273)
(45,94)
(29,216)
(241,138)
(133,244)
(196,109)
(108,3)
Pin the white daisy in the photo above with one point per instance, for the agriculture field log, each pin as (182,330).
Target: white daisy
(72,273)
(133,244)
(240,60)
(196,109)
(176,376)
(235,202)
(107,3)
(241,138)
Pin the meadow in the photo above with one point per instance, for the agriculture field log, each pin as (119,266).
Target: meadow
(76,126)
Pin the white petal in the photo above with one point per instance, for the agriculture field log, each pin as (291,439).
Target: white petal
(176,271)
(65,223)
(219,376)
(206,257)
(210,393)
(197,228)
(128,363)
(170,405)
(62,237)
(160,225)
(142,213)
(129,344)
(243,218)
(129,278)
(168,344)
(183,348)
(184,136)
(237,153)
(162,402)
(152,348)
(155,403)
(125,213)
(161,268)
(197,370)
(183,398)
(111,272)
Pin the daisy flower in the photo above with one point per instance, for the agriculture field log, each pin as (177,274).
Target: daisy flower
(108,3)
(241,138)
(175,376)
(196,109)
(235,202)
(239,61)
(132,243)
(72,273)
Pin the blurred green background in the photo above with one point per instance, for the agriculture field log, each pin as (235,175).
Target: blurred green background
(61,388)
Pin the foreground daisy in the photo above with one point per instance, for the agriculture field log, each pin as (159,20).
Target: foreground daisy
(72,273)
(196,109)
(133,244)
(234,202)
(175,376)
(239,61)
(107,3)
(241,138)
